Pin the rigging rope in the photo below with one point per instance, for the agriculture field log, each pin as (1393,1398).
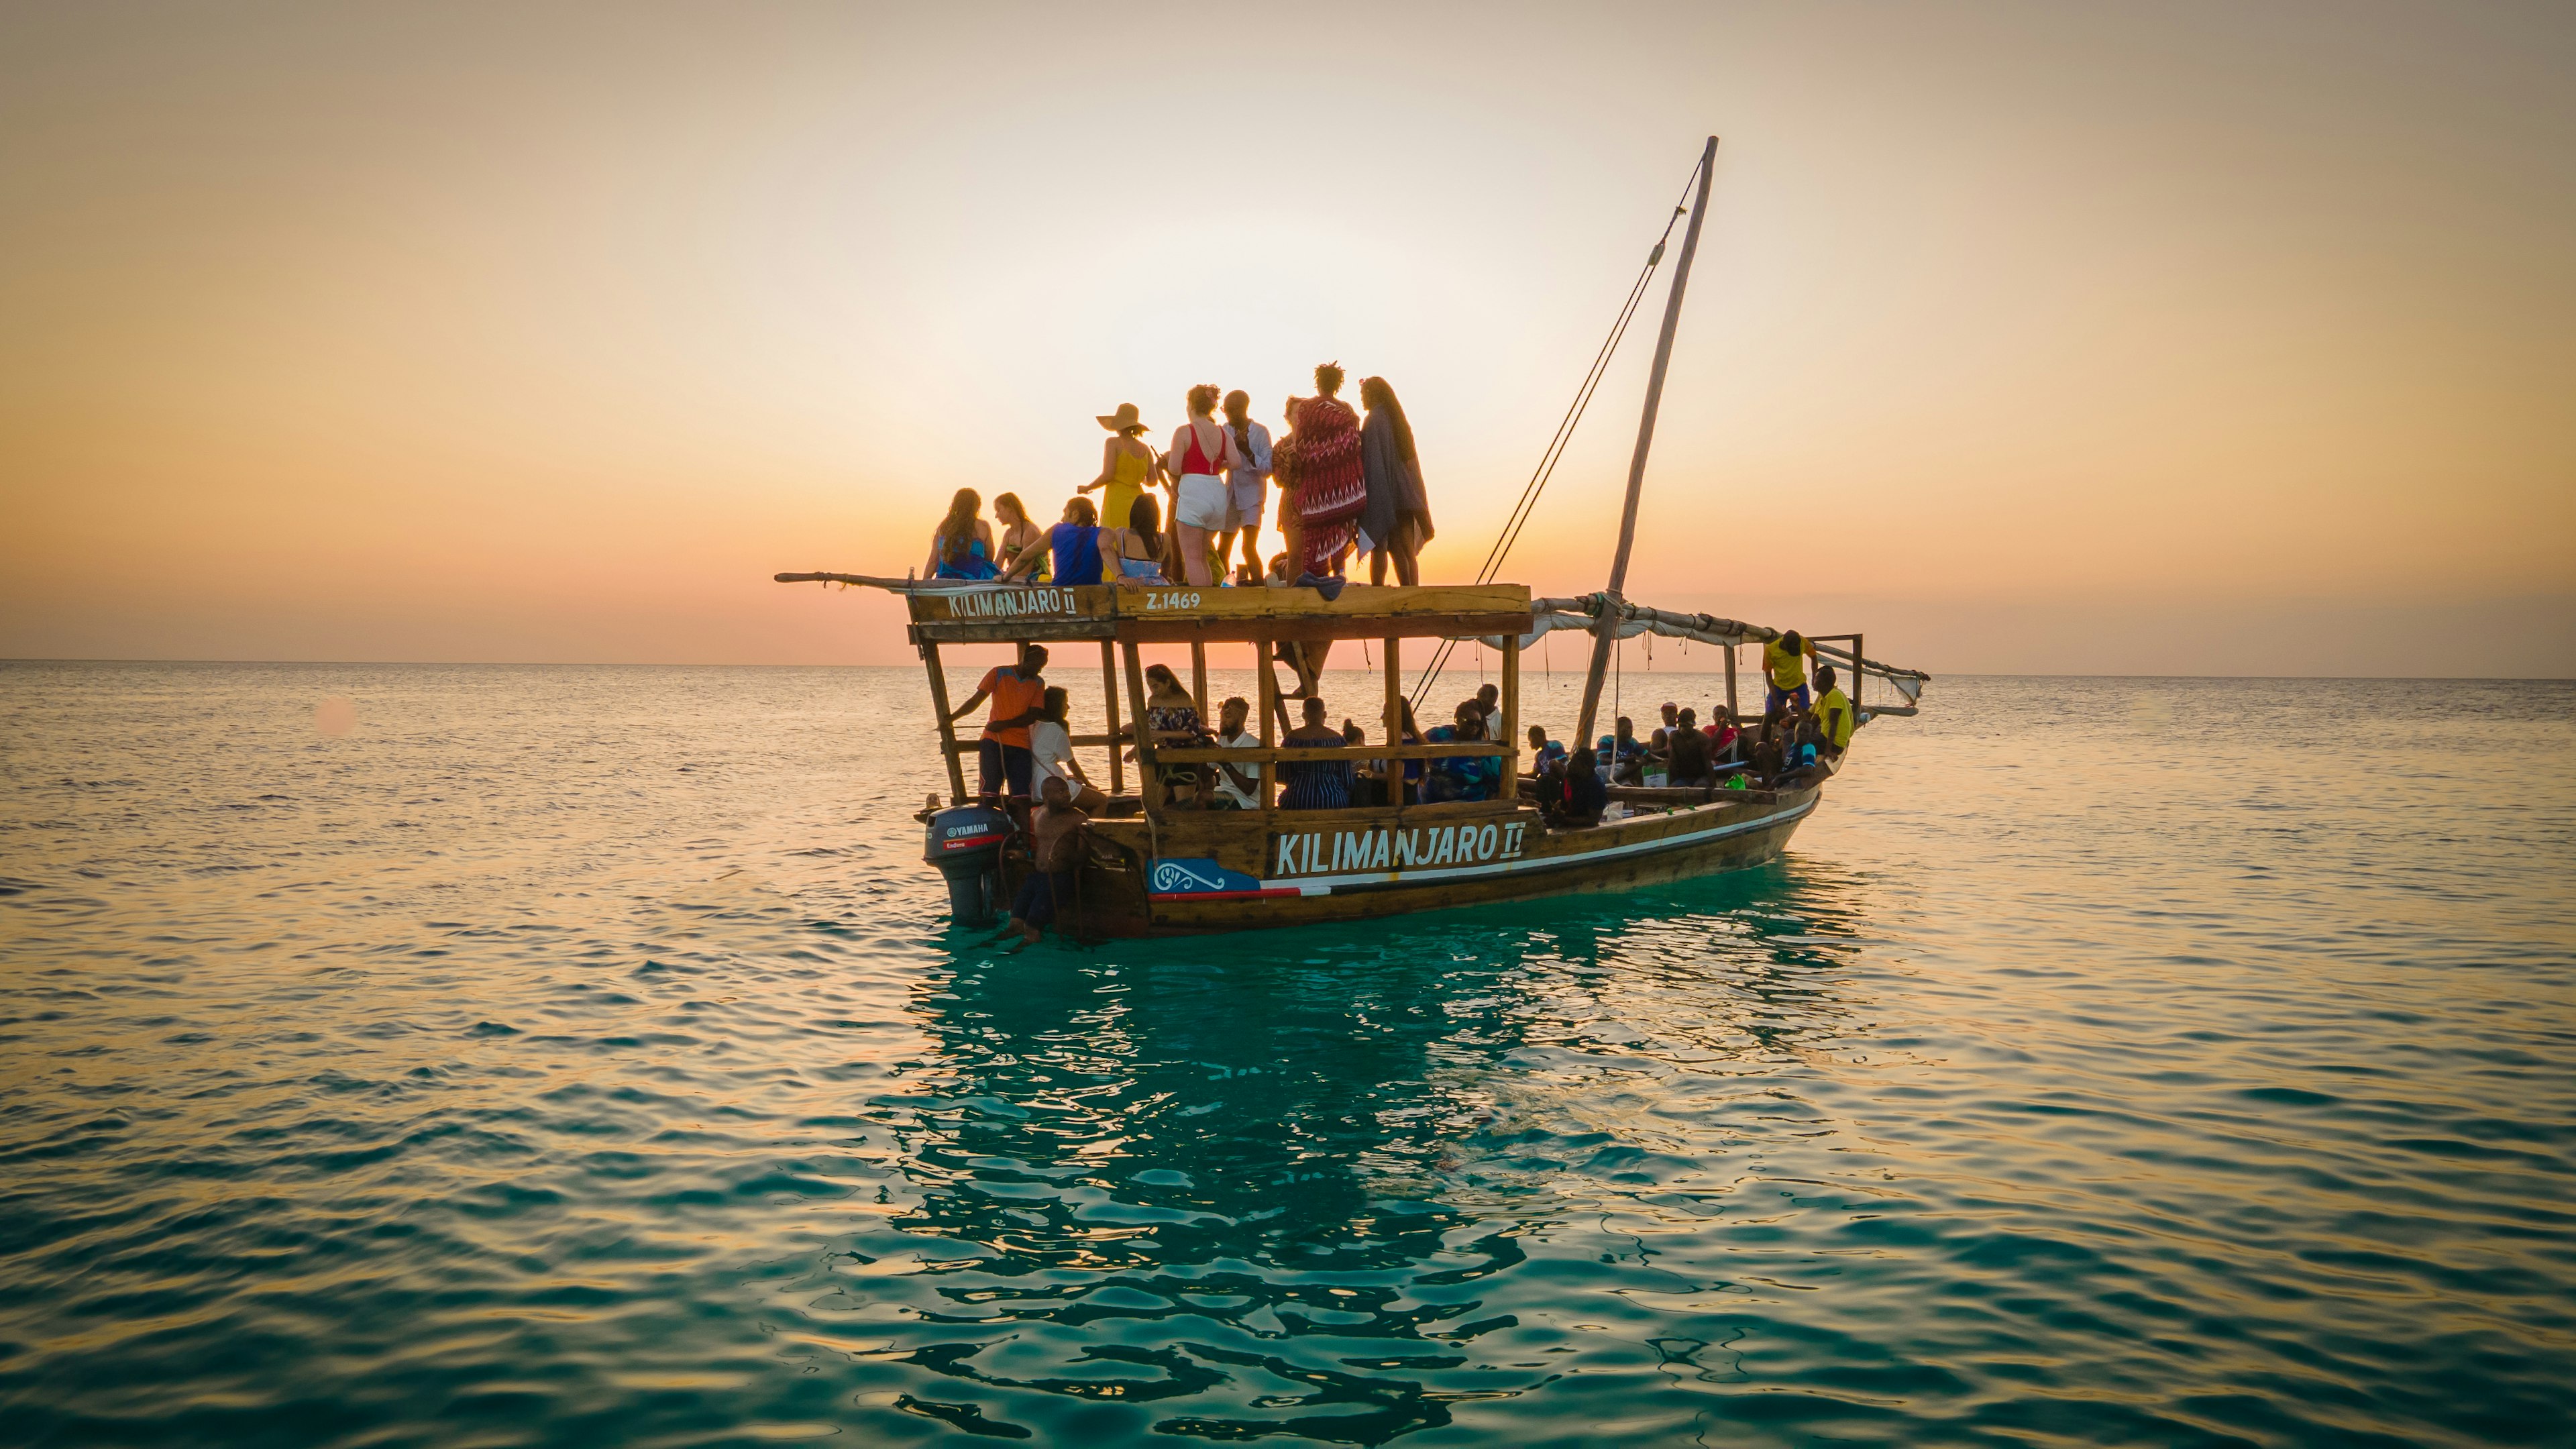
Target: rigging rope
(1564,437)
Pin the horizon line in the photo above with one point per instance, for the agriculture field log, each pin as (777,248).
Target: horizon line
(1364,670)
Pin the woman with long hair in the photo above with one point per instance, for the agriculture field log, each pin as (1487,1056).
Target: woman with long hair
(1127,466)
(1139,552)
(1051,748)
(1201,454)
(1172,722)
(1398,512)
(1020,533)
(1331,489)
(962,548)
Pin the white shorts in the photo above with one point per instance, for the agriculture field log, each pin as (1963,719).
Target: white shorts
(1202,501)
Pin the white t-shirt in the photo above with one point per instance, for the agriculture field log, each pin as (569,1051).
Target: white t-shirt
(1225,783)
(1053,751)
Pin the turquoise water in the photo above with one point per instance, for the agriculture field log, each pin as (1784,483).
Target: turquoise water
(578,1056)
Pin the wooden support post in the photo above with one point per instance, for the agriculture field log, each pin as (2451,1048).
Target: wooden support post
(1734,711)
(947,728)
(1109,697)
(1394,718)
(1266,685)
(1511,719)
(1148,783)
(1198,679)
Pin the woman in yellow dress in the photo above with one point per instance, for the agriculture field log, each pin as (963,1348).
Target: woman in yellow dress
(1127,467)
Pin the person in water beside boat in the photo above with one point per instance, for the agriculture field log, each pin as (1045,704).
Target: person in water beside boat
(1018,693)
(962,546)
(1055,850)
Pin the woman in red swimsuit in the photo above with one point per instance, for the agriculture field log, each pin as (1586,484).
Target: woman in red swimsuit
(1202,451)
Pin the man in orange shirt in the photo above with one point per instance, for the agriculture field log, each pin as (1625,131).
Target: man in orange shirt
(1018,692)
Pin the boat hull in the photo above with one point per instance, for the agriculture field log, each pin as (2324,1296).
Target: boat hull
(1242,872)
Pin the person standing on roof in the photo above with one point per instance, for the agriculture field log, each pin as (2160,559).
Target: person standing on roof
(1202,453)
(1397,515)
(1331,488)
(1785,660)
(1127,467)
(1245,486)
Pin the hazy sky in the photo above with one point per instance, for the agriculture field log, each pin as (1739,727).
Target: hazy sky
(2174,338)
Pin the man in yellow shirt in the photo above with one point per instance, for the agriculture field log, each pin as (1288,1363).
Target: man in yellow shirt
(1833,713)
(1784,660)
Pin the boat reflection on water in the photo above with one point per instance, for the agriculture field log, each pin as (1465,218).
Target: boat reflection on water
(1281,1184)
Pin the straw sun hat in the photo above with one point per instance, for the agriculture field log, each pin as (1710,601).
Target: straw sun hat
(1123,419)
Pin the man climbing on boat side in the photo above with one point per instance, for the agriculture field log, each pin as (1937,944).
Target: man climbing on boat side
(1002,756)
(1785,660)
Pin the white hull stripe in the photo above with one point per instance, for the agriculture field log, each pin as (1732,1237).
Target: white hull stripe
(1322,885)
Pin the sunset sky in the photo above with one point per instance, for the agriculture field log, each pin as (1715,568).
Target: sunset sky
(2193,338)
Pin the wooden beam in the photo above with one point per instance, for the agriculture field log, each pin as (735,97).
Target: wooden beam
(1200,754)
(1394,711)
(1512,710)
(1147,783)
(1246,631)
(1266,685)
(1733,710)
(947,729)
(1109,697)
(1198,678)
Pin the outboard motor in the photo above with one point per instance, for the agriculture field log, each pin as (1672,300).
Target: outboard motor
(965,842)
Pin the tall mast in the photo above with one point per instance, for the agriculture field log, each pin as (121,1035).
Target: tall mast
(1605,630)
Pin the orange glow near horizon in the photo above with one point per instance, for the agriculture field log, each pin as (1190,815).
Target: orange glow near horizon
(2021,338)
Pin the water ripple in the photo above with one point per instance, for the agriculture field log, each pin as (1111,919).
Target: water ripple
(579,1055)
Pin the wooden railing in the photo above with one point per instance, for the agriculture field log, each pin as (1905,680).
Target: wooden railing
(1291,754)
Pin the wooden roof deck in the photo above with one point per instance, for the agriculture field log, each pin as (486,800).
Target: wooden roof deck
(1177,613)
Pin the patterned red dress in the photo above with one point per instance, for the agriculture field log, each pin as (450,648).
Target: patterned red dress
(1319,472)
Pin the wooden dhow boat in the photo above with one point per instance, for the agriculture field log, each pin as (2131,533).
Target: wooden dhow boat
(1159,871)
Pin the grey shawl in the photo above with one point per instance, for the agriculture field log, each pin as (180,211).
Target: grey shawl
(1394,485)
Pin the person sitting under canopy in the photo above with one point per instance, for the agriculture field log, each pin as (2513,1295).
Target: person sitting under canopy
(1833,714)
(1315,784)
